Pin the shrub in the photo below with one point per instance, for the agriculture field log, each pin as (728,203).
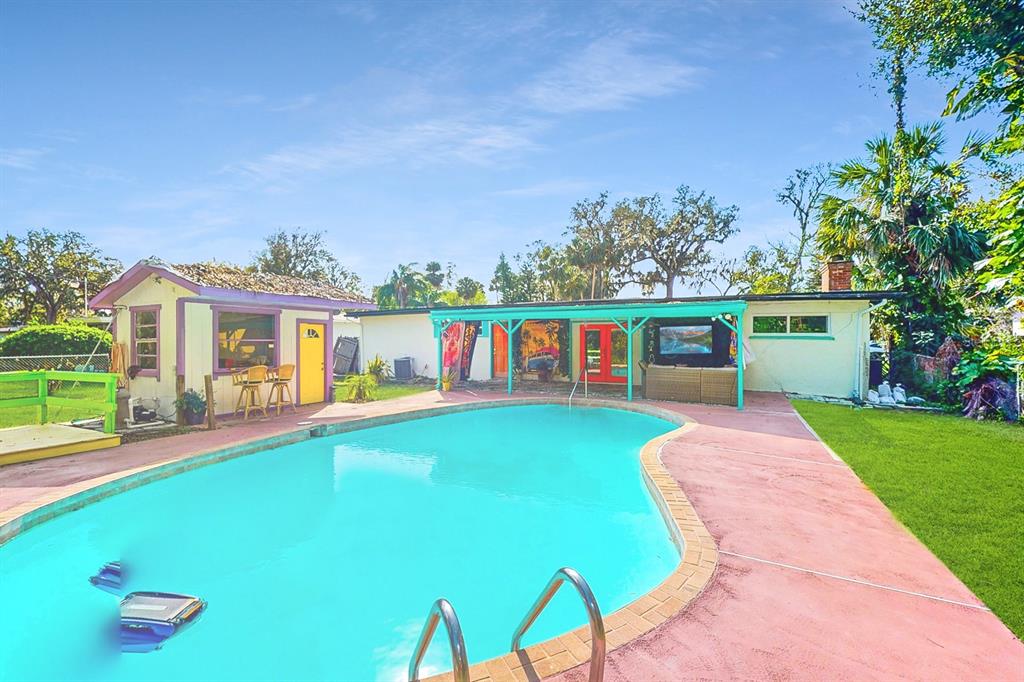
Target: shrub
(985,375)
(359,387)
(56,339)
(379,369)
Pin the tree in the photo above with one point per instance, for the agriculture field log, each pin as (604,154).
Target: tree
(436,274)
(675,244)
(921,246)
(470,291)
(46,274)
(304,254)
(803,191)
(764,271)
(558,276)
(982,42)
(406,286)
(597,247)
(503,283)
(516,285)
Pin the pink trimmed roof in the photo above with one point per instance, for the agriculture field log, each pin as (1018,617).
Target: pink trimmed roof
(219,278)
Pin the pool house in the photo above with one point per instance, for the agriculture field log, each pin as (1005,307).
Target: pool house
(178,324)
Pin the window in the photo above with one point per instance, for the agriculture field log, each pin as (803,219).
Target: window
(808,324)
(770,324)
(245,339)
(791,324)
(146,340)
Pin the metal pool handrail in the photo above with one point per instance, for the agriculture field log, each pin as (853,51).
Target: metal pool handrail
(586,386)
(597,638)
(442,610)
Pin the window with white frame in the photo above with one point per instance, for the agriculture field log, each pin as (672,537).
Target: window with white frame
(146,340)
(791,324)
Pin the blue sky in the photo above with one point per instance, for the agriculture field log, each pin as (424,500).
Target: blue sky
(415,132)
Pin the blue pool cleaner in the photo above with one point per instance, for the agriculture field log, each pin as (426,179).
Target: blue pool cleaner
(148,619)
(109,578)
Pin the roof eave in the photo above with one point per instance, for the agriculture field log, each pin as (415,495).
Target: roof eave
(131,278)
(224,294)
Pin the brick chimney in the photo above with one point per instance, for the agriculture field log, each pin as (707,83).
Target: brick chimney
(836,275)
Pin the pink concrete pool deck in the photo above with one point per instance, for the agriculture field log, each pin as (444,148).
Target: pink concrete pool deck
(815,578)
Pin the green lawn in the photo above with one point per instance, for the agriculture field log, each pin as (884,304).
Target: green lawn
(957,484)
(19,416)
(386,391)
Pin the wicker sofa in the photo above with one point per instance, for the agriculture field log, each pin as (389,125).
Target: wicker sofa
(715,385)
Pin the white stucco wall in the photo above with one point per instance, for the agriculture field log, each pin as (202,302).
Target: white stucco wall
(816,366)
(412,335)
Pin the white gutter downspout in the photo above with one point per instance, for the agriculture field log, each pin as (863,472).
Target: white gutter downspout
(860,350)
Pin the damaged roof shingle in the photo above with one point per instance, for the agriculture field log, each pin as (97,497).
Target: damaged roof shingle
(231,277)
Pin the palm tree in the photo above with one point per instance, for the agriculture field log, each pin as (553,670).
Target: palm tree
(405,285)
(903,223)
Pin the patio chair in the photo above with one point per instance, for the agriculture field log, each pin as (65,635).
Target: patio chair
(279,386)
(249,399)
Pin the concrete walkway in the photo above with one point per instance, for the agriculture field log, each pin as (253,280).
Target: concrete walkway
(816,579)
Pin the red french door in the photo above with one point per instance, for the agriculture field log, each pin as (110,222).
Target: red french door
(603,349)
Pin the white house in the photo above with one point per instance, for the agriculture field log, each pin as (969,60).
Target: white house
(811,343)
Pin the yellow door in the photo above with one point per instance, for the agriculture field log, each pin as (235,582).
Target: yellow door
(311,363)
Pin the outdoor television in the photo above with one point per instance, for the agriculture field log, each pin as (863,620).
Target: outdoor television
(685,340)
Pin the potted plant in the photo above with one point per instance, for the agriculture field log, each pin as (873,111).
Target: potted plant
(447,379)
(193,406)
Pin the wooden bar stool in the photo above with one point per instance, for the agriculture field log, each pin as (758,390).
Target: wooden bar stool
(250,400)
(279,386)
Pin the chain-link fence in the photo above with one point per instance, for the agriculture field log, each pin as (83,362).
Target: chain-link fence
(73,363)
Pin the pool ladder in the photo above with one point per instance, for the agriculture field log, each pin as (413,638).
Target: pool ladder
(586,385)
(442,611)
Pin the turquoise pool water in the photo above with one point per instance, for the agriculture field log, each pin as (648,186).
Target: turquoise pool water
(320,560)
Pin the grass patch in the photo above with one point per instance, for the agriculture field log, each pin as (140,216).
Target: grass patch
(386,391)
(20,416)
(954,482)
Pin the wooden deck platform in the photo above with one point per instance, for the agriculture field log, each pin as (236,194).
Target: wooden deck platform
(39,441)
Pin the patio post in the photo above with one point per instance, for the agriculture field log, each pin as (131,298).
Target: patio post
(630,329)
(738,329)
(439,333)
(739,361)
(629,359)
(510,331)
(439,329)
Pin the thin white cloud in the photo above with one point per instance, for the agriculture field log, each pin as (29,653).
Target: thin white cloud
(303,102)
(442,140)
(550,188)
(610,73)
(22,158)
(174,200)
(363,11)
(209,96)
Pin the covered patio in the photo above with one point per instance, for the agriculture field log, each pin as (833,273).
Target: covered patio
(630,318)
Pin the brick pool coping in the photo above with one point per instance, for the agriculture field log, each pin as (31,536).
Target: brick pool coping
(697,549)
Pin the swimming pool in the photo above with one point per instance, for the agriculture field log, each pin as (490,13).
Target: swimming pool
(320,559)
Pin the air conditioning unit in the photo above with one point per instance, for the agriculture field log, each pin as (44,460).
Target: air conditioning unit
(403,368)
